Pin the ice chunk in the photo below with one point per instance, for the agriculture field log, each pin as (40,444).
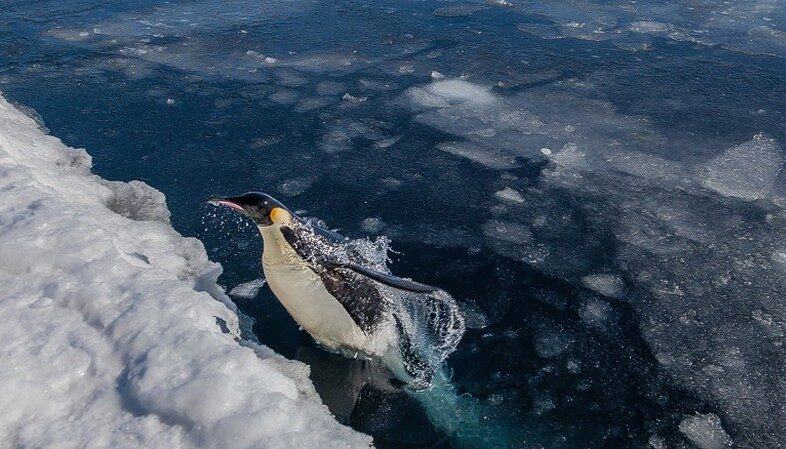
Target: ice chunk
(353,99)
(595,312)
(485,156)
(295,186)
(605,284)
(266,141)
(459,91)
(508,194)
(501,3)
(705,431)
(373,225)
(747,171)
(386,143)
(406,69)
(649,27)
(248,290)
(507,231)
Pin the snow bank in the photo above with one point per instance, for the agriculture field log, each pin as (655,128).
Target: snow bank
(115,333)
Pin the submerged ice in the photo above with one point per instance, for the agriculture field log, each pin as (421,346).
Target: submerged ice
(694,230)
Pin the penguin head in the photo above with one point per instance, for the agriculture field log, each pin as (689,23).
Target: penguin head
(260,207)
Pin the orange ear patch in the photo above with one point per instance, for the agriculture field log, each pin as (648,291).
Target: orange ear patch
(279,215)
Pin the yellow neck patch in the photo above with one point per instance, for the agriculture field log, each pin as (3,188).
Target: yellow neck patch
(280,215)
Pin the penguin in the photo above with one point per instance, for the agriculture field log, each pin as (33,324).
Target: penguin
(332,291)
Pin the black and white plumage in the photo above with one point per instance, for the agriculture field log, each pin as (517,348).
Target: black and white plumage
(334,292)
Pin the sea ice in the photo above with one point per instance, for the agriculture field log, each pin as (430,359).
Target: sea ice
(595,312)
(605,284)
(705,431)
(248,290)
(455,91)
(508,194)
(552,341)
(295,186)
(386,143)
(747,171)
(373,225)
(484,156)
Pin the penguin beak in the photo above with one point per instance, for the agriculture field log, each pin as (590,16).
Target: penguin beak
(227,202)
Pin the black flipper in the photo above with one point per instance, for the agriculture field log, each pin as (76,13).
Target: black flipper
(390,281)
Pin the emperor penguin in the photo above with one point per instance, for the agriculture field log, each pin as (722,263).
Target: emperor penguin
(330,290)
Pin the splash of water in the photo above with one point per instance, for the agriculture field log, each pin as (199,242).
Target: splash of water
(430,325)
(467,421)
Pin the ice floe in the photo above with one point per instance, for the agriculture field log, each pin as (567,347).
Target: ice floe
(248,290)
(747,171)
(705,431)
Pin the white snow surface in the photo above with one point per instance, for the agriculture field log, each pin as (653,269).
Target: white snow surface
(111,334)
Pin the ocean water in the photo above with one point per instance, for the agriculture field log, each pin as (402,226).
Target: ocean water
(598,184)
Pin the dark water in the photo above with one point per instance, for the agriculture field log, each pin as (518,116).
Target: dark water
(168,93)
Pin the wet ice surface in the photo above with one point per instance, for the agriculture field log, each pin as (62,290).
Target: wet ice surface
(599,184)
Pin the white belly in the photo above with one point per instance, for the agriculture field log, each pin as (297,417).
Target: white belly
(303,294)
